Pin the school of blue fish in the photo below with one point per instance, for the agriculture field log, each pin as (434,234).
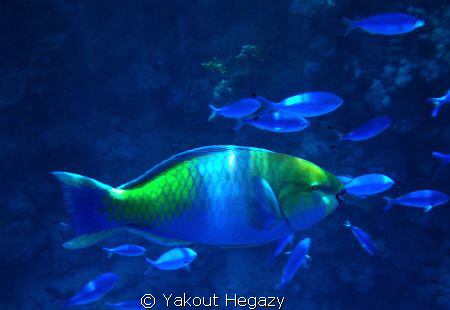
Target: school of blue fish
(291,115)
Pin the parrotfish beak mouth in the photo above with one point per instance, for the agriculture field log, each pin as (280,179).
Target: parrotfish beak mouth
(339,198)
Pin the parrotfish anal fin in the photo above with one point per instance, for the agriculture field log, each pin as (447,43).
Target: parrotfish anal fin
(266,214)
(156,238)
(185,156)
(86,240)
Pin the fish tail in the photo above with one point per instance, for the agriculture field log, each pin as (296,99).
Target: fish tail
(85,198)
(349,23)
(436,106)
(110,252)
(240,123)
(389,203)
(151,265)
(213,112)
(440,168)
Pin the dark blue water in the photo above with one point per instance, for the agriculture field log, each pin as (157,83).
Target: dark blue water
(108,89)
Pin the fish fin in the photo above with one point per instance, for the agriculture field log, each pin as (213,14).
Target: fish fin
(181,157)
(428,209)
(110,252)
(349,23)
(267,214)
(240,123)
(389,203)
(436,106)
(187,267)
(266,103)
(440,168)
(213,112)
(151,265)
(339,137)
(85,199)
(166,241)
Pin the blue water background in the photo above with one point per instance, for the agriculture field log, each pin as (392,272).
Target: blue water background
(108,89)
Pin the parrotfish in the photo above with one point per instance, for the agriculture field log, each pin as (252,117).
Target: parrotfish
(445,160)
(126,305)
(276,121)
(426,199)
(438,102)
(309,104)
(369,184)
(297,258)
(216,195)
(280,245)
(126,250)
(385,24)
(363,238)
(174,259)
(368,130)
(236,109)
(94,290)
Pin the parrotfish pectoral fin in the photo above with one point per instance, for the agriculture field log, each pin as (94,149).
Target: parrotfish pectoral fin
(267,213)
(86,198)
(428,209)
(389,203)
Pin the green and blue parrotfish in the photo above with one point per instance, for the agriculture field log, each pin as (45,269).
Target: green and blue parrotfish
(215,195)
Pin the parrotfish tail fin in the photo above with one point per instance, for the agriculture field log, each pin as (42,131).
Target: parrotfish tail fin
(213,112)
(436,106)
(389,203)
(110,252)
(85,198)
(347,223)
(349,23)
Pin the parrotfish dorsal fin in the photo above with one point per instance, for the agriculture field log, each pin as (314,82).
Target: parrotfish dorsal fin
(181,157)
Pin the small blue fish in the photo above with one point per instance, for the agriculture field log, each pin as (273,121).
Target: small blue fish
(363,238)
(309,104)
(345,178)
(297,258)
(438,102)
(445,160)
(372,128)
(426,199)
(369,184)
(174,259)
(280,245)
(94,290)
(276,121)
(125,250)
(386,24)
(126,305)
(236,109)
